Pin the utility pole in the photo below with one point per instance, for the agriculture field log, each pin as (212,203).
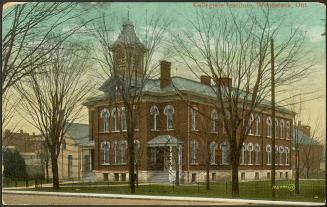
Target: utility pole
(273,168)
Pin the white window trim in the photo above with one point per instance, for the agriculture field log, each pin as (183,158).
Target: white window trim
(154,117)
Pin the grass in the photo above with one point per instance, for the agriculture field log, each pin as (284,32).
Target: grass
(310,190)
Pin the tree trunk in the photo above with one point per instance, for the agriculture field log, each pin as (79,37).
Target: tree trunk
(297,174)
(47,169)
(131,164)
(308,171)
(235,186)
(55,176)
(207,177)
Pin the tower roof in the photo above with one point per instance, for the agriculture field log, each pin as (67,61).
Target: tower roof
(128,36)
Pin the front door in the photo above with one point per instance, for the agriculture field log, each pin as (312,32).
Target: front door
(160,158)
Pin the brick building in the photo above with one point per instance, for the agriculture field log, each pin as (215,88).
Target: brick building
(173,135)
(29,146)
(311,151)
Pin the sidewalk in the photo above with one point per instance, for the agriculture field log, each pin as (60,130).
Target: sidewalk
(170,198)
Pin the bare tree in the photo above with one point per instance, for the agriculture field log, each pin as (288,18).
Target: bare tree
(27,30)
(128,64)
(52,96)
(234,50)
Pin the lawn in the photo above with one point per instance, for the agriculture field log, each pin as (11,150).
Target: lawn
(310,190)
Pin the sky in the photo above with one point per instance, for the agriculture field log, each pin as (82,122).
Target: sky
(310,16)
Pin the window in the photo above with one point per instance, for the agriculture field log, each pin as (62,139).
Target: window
(169,112)
(268,175)
(250,124)
(123,119)
(153,154)
(70,165)
(281,174)
(115,116)
(116,151)
(116,175)
(281,130)
(105,176)
(243,154)
(286,175)
(105,118)
(276,154)
(286,155)
(123,177)
(227,121)
(256,176)
(214,118)
(123,147)
(136,150)
(281,152)
(193,177)
(257,156)
(154,112)
(213,176)
(257,125)
(250,149)
(64,144)
(287,130)
(224,153)
(268,150)
(194,112)
(242,176)
(213,147)
(276,127)
(87,162)
(105,147)
(194,149)
(269,127)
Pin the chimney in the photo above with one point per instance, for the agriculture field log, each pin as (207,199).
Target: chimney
(225,82)
(165,78)
(205,80)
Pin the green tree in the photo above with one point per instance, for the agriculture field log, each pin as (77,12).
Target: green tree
(14,165)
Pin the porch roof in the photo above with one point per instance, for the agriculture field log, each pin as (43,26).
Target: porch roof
(164,140)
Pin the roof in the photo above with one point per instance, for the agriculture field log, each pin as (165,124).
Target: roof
(164,140)
(79,132)
(303,138)
(128,36)
(181,84)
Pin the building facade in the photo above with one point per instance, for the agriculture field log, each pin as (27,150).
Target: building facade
(175,135)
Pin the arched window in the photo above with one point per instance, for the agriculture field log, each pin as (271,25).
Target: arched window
(116,152)
(105,147)
(268,150)
(123,119)
(269,126)
(250,149)
(257,156)
(115,114)
(276,127)
(123,146)
(136,150)
(276,154)
(286,155)
(169,112)
(194,151)
(214,118)
(281,130)
(243,154)
(213,147)
(227,113)
(105,119)
(281,152)
(154,112)
(257,125)
(194,112)
(250,124)
(287,130)
(224,153)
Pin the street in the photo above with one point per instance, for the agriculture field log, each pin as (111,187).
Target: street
(14,199)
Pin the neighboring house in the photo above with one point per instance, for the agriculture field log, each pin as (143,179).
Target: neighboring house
(166,123)
(75,159)
(310,151)
(30,147)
